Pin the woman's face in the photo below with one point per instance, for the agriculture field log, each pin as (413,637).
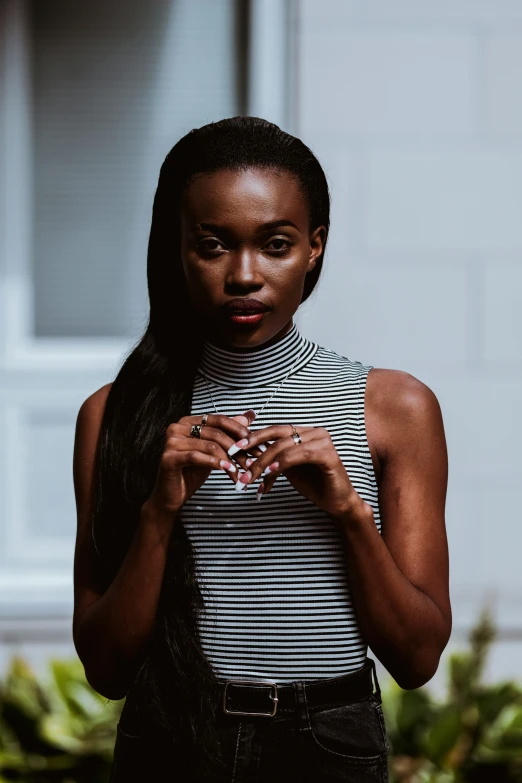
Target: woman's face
(232,249)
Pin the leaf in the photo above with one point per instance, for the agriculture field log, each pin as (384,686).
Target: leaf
(414,711)
(505,733)
(24,727)
(56,729)
(442,736)
(22,688)
(73,689)
(492,700)
(466,669)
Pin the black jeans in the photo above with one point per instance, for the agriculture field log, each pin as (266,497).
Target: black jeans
(345,742)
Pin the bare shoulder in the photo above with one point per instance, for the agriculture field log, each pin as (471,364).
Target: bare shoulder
(399,409)
(88,423)
(94,405)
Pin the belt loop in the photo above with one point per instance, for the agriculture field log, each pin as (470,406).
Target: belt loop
(377,686)
(301,705)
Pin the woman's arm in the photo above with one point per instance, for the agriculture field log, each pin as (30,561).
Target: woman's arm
(400,580)
(111,628)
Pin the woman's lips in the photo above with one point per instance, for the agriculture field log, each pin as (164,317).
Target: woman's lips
(246,318)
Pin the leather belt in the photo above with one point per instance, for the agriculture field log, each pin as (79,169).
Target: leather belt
(265,697)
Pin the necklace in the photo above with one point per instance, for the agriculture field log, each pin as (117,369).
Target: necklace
(274,392)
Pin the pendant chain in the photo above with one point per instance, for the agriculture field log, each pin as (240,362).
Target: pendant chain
(274,392)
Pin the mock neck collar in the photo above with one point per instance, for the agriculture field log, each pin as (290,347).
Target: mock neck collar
(260,366)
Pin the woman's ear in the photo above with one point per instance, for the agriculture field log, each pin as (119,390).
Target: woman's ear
(317,242)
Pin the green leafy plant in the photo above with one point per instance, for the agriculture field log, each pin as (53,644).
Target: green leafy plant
(474,735)
(58,732)
(62,731)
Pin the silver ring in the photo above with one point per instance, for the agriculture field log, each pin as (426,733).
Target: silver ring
(204,419)
(296,436)
(195,431)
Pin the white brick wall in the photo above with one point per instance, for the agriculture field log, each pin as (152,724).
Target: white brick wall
(414,108)
(503,83)
(502,286)
(459,196)
(462,14)
(413,82)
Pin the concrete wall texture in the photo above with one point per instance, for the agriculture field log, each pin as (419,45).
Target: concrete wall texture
(414,108)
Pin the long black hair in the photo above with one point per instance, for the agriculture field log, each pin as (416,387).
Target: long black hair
(176,684)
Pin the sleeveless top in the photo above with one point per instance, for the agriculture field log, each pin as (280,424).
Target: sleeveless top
(273,573)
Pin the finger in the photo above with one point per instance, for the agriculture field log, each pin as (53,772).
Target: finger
(244,420)
(275,432)
(235,429)
(220,459)
(217,435)
(179,457)
(247,418)
(254,451)
(265,464)
(315,452)
(267,435)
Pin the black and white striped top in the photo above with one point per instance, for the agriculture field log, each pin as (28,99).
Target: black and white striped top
(273,573)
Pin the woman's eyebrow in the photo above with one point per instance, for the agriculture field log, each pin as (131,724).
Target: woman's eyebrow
(262,227)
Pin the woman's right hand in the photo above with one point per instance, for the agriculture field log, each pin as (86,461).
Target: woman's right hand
(186,462)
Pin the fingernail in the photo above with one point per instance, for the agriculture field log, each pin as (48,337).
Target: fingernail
(245,477)
(240,487)
(260,490)
(227,465)
(249,461)
(235,447)
(254,414)
(272,468)
(262,447)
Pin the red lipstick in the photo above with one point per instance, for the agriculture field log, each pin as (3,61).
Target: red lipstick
(245,311)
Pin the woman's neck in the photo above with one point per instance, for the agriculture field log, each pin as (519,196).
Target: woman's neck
(216,342)
(263,365)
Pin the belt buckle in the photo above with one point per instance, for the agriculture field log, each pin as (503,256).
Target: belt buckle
(251,682)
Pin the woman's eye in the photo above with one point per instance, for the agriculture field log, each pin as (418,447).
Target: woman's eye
(209,245)
(278,240)
(277,245)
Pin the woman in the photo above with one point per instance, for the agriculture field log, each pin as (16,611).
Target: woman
(262,508)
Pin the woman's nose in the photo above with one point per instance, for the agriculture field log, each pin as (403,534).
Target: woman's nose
(244,268)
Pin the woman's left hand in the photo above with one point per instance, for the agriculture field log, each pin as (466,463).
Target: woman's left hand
(313,467)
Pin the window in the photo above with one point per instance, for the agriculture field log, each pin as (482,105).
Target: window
(113,87)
